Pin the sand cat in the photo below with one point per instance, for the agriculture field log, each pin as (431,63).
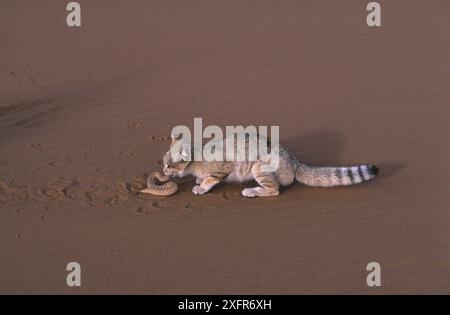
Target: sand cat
(210,174)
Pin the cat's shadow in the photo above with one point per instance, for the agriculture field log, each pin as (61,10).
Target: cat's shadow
(325,147)
(319,147)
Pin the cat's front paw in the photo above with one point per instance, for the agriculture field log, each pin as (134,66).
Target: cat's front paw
(198,181)
(198,190)
(249,193)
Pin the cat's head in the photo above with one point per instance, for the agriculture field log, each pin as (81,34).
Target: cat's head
(178,158)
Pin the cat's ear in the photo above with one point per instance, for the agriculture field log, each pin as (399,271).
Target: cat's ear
(186,152)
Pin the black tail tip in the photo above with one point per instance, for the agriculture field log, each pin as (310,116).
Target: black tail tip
(374,169)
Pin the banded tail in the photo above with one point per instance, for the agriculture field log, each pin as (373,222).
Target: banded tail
(335,176)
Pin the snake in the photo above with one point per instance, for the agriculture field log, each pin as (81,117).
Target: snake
(159,185)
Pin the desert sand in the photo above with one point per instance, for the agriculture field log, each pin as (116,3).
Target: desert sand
(85,114)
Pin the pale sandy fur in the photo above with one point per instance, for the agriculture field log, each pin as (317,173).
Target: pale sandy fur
(210,174)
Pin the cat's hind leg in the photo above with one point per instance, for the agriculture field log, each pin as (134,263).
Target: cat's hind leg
(268,184)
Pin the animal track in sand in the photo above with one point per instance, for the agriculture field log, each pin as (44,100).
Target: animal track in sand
(126,152)
(93,191)
(7,192)
(97,192)
(123,187)
(100,198)
(141,210)
(46,193)
(39,146)
(60,163)
(134,125)
(155,204)
(160,138)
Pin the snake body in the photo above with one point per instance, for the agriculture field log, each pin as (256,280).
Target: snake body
(159,185)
